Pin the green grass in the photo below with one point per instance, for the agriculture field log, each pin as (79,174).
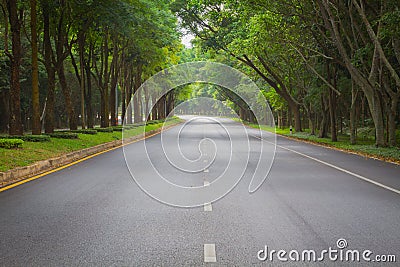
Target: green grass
(365,144)
(34,151)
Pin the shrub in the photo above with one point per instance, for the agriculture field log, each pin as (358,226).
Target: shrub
(36,138)
(11,143)
(117,128)
(126,127)
(85,131)
(64,135)
(28,138)
(130,126)
(104,130)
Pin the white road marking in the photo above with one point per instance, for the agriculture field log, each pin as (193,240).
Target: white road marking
(209,253)
(207,207)
(205,161)
(337,168)
(206,183)
(206,170)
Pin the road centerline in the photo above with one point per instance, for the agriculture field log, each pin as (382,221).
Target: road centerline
(209,253)
(207,207)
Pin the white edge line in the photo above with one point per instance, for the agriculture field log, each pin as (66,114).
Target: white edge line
(338,168)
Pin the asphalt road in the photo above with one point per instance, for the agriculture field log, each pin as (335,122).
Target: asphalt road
(95,214)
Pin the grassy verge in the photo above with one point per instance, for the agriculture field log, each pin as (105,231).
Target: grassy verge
(364,146)
(33,151)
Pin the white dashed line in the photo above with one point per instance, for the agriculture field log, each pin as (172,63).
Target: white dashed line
(209,253)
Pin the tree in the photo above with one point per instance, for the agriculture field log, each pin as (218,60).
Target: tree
(36,127)
(15,15)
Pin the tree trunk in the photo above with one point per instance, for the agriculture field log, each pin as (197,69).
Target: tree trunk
(49,117)
(353,123)
(103,82)
(103,114)
(392,121)
(128,98)
(295,109)
(161,108)
(332,115)
(73,123)
(123,104)
(4,110)
(146,104)
(36,127)
(170,104)
(81,44)
(88,99)
(280,118)
(15,87)
(154,110)
(114,82)
(375,107)
(332,101)
(137,114)
(51,73)
(323,128)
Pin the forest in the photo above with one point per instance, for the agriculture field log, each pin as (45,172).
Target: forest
(72,63)
(329,67)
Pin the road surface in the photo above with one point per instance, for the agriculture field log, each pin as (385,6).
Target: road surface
(95,214)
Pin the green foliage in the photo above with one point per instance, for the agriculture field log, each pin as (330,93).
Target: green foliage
(28,138)
(117,128)
(104,130)
(64,135)
(11,143)
(85,131)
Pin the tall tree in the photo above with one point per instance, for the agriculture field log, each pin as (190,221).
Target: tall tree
(36,127)
(15,15)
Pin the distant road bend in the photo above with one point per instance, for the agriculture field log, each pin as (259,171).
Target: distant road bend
(93,213)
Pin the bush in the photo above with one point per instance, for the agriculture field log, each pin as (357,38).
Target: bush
(11,143)
(104,130)
(366,132)
(121,128)
(36,138)
(117,128)
(85,131)
(64,135)
(28,138)
(130,126)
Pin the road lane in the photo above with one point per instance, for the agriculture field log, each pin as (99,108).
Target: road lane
(93,213)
